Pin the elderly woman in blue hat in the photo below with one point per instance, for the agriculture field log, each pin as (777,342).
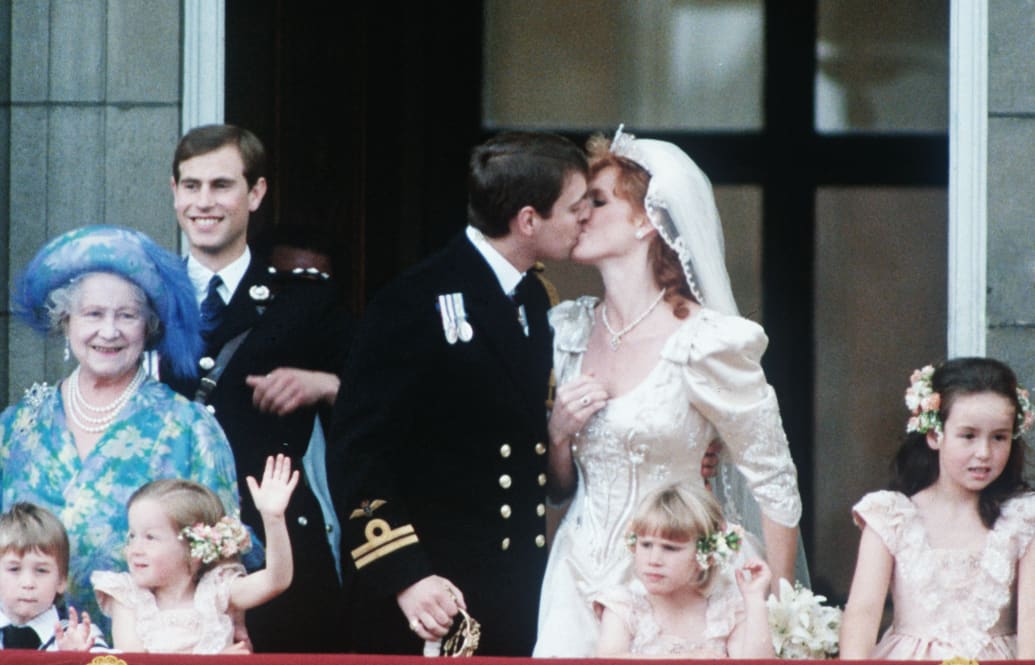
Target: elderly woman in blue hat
(82,447)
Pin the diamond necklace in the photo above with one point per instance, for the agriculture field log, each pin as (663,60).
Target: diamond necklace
(616,337)
(78,406)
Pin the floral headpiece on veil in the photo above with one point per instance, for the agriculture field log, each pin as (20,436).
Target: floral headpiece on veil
(681,206)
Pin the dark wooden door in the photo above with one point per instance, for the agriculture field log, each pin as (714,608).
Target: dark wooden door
(368,111)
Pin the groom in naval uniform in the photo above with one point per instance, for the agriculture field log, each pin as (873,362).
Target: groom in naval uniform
(274,348)
(438,457)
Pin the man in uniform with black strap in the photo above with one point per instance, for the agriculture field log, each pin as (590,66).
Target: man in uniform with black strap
(274,351)
(438,457)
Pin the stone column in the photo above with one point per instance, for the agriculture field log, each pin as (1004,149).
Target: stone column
(89,128)
(1011,185)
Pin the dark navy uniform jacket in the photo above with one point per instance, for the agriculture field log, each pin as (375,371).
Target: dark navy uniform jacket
(438,458)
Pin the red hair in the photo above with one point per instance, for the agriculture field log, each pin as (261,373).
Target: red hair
(631,185)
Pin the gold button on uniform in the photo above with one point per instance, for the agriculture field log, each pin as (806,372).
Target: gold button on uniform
(542,479)
(540,541)
(505,511)
(540,510)
(505,481)
(505,450)
(540,449)
(505,545)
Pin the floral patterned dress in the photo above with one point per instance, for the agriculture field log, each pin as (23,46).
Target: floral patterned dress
(707,384)
(949,602)
(157,434)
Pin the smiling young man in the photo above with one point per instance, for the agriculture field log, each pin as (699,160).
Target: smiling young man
(273,351)
(439,452)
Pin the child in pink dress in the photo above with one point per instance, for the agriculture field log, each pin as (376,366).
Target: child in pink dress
(686,602)
(185,580)
(952,540)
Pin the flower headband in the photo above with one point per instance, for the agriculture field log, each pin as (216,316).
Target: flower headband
(222,540)
(718,547)
(924,403)
(714,548)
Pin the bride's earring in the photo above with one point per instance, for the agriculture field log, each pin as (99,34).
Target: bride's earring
(641,233)
(68,351)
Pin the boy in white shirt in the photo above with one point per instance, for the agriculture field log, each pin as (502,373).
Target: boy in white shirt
(33,575)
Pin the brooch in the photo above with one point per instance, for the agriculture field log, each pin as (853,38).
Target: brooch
(454,318)
(259,293)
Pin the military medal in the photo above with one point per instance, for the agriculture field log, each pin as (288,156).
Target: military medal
(464,329)
(522,319)
(448,319)
(454,318)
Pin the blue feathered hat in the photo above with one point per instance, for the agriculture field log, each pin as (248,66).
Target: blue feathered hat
(132,255)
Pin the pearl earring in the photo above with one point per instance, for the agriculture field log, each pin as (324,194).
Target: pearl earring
(640,233)
(68,351)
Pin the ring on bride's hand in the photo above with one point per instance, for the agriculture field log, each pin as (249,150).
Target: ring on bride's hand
(584,401)
(414,625)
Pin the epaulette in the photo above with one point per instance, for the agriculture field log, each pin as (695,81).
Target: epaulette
(551,291)
(299,273)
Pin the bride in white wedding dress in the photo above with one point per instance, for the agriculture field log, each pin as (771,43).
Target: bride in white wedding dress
(647,378)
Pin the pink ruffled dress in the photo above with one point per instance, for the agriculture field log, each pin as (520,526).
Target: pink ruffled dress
(949,602)
(630,603)
(205,628)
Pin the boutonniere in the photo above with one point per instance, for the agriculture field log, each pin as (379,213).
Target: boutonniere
(260,293)
(455,325)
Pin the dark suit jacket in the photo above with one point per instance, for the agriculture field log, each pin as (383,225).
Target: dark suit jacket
(438,457)
(299,325)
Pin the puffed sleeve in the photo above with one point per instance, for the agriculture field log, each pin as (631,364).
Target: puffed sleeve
(212,602)
(114,587)
(720,355)
(572,322)
(623,602)
(887,514)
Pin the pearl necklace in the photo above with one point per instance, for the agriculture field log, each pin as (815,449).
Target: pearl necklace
(616,337)
(78,406)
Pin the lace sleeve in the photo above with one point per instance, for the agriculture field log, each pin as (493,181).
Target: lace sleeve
(215,585)
(1018,515)
(720,355)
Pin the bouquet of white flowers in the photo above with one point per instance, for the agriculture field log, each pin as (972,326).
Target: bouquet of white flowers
(801,626)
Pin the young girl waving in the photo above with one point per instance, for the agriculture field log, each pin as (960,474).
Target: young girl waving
(952,537)
(185,578)
(685,602)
